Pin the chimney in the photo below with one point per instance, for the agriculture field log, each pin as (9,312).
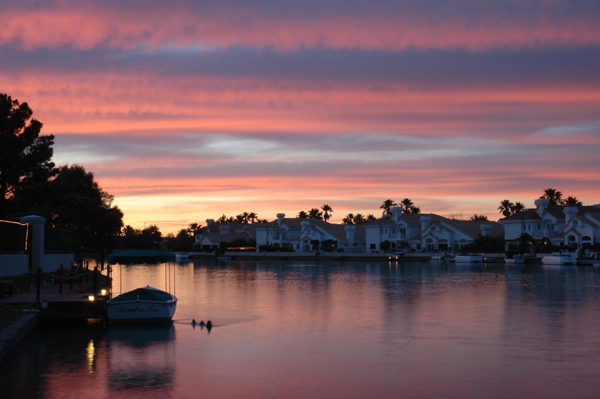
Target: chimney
(425,221)
(224,230)
(304,224)
(486,230)
(280,217)
(396,213)
(350,230)
(570,212)
(209,223)
(542,205)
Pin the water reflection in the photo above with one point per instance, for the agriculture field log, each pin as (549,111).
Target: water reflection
(141,357)
(338,329)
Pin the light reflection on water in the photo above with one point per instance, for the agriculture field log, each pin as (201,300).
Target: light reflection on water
(341,330)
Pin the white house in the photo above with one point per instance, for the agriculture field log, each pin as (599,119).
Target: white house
(557,225)
(427,232)
(214,234)
(308,235)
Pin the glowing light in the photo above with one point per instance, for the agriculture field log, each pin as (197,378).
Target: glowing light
(91,298)
(91,356)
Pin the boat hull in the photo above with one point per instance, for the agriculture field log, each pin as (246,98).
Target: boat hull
(559,260)
(515,261)
(141,311)
(468,259)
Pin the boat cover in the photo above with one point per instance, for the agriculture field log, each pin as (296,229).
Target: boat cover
(145,294)
(132,257)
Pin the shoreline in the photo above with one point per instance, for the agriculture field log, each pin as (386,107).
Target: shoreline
(12,336)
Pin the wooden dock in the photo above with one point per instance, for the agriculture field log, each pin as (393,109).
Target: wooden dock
(73,305)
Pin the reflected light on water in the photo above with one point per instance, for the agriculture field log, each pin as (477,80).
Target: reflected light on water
(91,356)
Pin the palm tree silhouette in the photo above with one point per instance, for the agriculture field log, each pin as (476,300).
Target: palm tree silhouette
(315,213)
(327,211)
(349,219)
(571,201)
(387,206)
(553,195)
(506,207)
(517,207)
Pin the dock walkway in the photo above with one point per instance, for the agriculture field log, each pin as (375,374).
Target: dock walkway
(49,293)
(72,305)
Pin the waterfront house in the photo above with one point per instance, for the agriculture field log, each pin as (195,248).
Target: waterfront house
(425,232)
(574,227)
(213,234)
(308,235)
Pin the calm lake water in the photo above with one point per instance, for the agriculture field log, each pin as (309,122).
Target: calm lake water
(333,330)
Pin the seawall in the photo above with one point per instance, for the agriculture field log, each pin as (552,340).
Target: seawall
(11,336)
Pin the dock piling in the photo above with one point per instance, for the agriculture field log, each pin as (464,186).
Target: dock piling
(39,283)
(60,273)
(95,281)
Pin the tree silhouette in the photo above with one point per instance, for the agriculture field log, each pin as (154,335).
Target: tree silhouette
(348,219)
(327,211)
(302,215)
(25,156)
(74,201)
(478,217)
(315,213)
(553,195)
(506,207)
(517,207)
(359,218)
(252,216)
(571,201)
(387,206)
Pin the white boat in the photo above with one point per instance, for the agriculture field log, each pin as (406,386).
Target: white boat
(468,258)
(397,255)
(514,261)
(146,304)
(559,260)
(181,257)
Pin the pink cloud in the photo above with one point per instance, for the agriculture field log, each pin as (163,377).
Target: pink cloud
(85,26)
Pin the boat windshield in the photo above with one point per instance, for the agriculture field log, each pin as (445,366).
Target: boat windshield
(143,294)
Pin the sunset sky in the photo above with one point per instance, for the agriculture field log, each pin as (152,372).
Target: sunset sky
(188,110)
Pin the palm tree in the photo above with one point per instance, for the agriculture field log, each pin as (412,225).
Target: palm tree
(525,241)
(193,227)
(222,219)
(315,213)
(349,219)
(571,201)
(415,209)
(478,217)
(387,206)
(370,217)
(302,215)
(246,216)
(553,195)
(327,211)
(358,218)
(252,216)
(506,207)
(517,207)
(407,204)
